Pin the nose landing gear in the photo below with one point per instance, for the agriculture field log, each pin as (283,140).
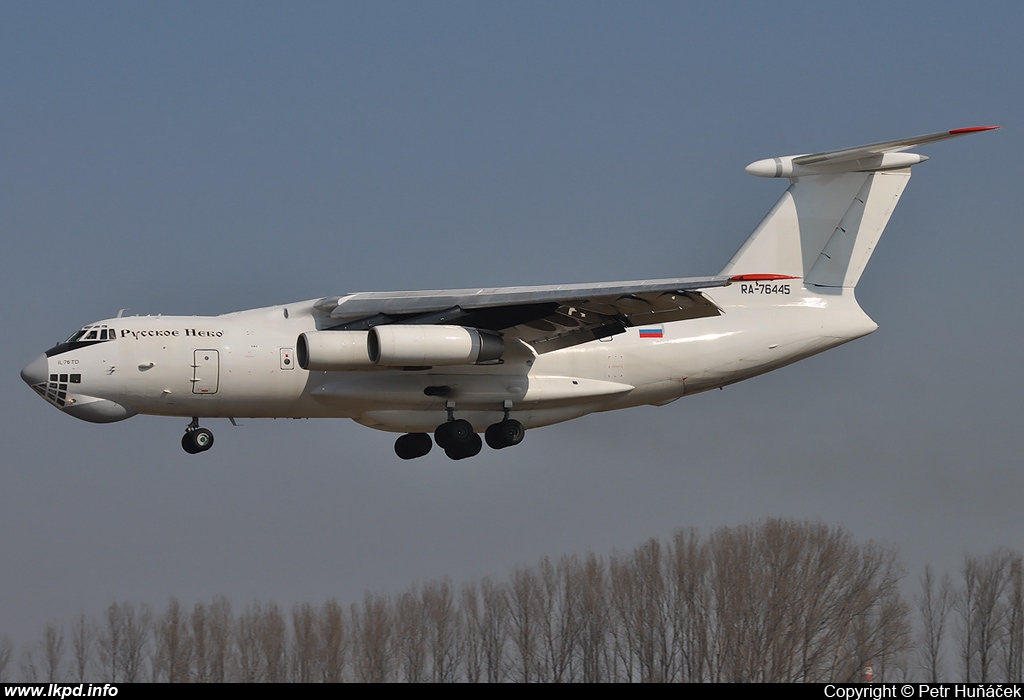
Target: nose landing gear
(196,439)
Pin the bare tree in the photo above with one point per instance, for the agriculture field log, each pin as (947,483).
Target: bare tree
(373,627)
(6,653)
(641,604)
(274,643)
(83,634)
(879,632)
(523,601)
(687,577)
(52,648)
(123,641)
(262,644)
(561,626)
(933,605)
(249,660)
(595,651)
(981,612)
(1013,657)
(136,623)
(493,629)
(334,642)
(172,662)
(410,640)
(110,643)
(472,647)
(735,570)
(199,631)
(211,629)
(801,602)
(28,664)
(442,630)
(307,646)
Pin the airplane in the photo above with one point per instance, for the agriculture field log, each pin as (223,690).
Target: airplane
(443,366)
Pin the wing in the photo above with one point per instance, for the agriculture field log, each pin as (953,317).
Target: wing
(547,317)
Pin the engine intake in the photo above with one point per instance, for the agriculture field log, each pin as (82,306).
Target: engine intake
(332,350)
(400,345)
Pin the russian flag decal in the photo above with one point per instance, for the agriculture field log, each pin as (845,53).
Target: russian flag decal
(651,333)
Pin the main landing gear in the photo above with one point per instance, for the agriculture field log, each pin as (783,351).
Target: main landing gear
(196,439)
(413,445)
(504,434)
(458,439)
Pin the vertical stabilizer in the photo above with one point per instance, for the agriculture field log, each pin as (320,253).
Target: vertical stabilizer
(790,238)
(843,258)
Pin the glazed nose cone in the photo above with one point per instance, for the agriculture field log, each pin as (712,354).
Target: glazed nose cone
(35,371)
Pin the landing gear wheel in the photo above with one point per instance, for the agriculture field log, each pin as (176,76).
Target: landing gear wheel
(470,447)
(452,433)
(504,434)
(457,439)
(188,445)
(196,441)
(441,436)
(413,445)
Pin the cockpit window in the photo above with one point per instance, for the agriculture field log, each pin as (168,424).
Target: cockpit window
(90,335)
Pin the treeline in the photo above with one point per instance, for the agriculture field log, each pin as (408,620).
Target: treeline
(778,601)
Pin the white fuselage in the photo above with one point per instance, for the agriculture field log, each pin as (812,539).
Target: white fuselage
(243,364)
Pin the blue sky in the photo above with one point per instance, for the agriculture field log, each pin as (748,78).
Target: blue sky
(200,158)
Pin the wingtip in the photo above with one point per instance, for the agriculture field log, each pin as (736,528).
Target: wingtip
(971,129)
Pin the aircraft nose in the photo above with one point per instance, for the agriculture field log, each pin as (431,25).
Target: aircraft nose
(36,371)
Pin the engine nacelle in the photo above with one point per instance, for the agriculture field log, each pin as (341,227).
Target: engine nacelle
(410,345)
(332,350)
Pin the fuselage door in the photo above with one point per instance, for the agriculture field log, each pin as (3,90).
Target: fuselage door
(205,371)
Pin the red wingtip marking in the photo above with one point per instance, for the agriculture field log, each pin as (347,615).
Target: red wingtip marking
(761,278)
(970,129)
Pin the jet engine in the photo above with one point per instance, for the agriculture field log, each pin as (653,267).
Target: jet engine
(409,345)
(332,350)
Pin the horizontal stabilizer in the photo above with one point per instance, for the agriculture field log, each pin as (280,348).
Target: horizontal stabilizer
(825,227)
(887,155)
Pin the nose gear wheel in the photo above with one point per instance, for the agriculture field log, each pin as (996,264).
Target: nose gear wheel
(196,439)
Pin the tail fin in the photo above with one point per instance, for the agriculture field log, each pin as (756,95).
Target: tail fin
(826,225)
